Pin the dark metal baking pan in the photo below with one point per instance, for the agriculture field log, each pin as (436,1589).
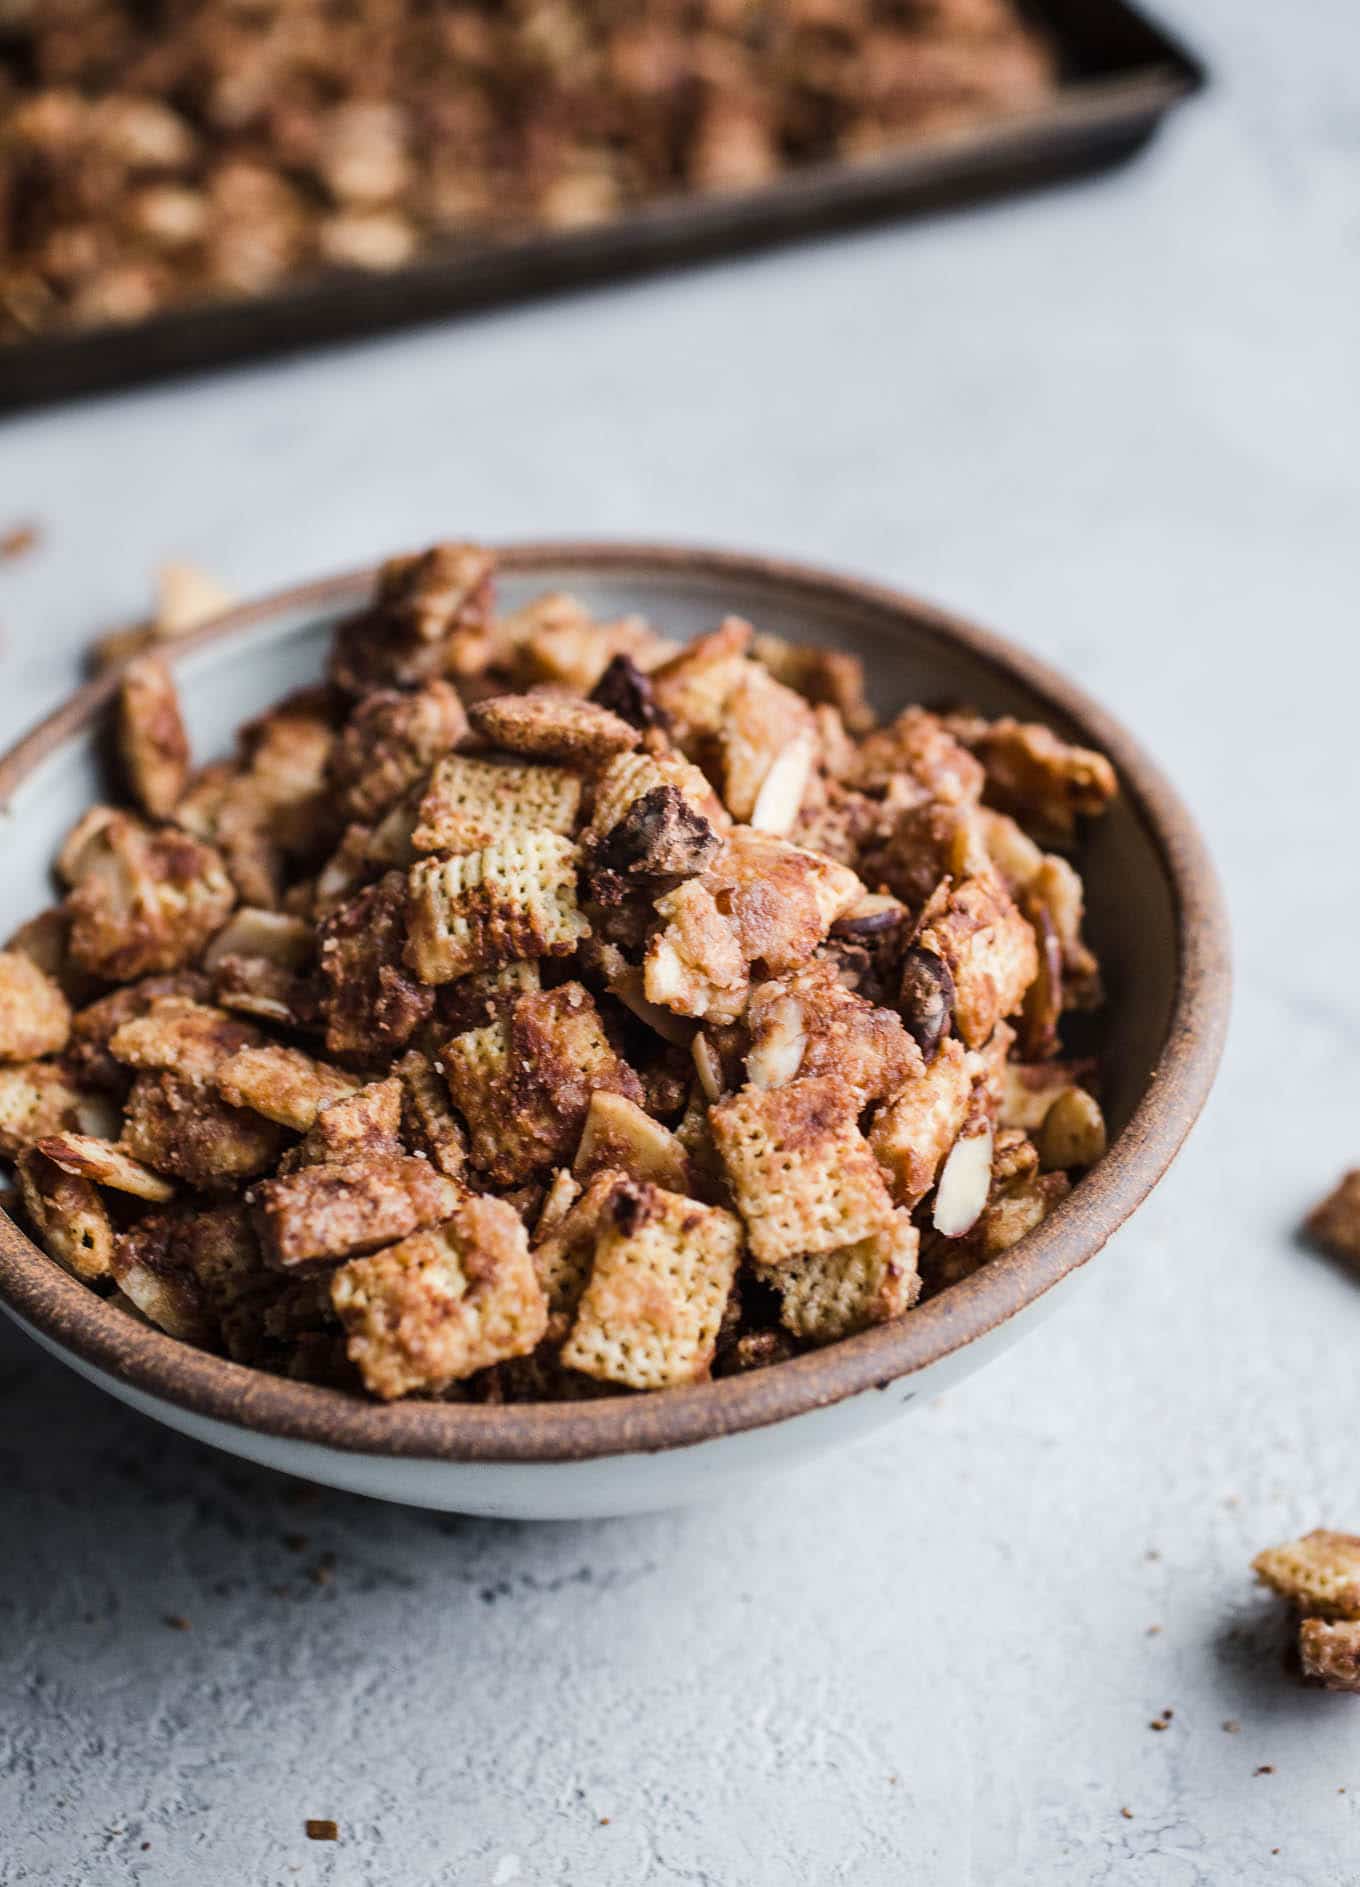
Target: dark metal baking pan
(1122,76)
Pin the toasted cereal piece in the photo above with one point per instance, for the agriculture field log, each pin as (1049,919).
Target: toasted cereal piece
(830,677)
(1017,1209)
(283,1084)
(287,752)
(140,900)
(1334,1225)
(177,1128)
(808,1023)
(565,1245)
(38,1098)
(663,1270)
(225,808)
(990,952)
(67,1214)
(472,803)
(149,1269)
(914,1130)
(573,732)
(429,1311)
(438,591)
(780,900)
(523,1084)
(471,1002)
(692,687)
(923,844)
(516,898)
(181,1037)
(431,1125)
(390,742)
(620,1136)
(360,1125)
(322,1214)
(45,941)
(801,1172)
(1073,1131)
(276,936)
(1014,1156)
(431,616)
(760,720)
(1042,1008)
(1319,1573)
(987,1066)
(827,1295)
(1037,776)
(924,750)
(152,741)
(93,1027)
(35,1018)
(694,964)
(218,1248)
(371,1003)
(1329,1650)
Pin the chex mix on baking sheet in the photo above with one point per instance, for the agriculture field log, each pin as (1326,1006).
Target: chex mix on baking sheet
(537,1008)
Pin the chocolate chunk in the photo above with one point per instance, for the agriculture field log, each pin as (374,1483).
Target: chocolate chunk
(627,692)
(927,998)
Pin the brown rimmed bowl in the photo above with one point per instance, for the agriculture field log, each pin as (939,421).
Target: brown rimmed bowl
(1156,918)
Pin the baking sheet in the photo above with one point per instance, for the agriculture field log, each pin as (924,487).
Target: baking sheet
(1122,76)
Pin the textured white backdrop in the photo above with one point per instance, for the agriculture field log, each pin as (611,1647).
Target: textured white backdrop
(1120,422)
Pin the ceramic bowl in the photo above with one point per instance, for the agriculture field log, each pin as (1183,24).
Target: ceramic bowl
(1155,917)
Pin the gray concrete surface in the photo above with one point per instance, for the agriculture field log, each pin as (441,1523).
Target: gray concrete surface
(1120,421)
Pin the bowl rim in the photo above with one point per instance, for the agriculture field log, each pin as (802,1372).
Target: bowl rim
(71,1317)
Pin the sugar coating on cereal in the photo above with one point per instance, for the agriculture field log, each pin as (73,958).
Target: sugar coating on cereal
(537,1007)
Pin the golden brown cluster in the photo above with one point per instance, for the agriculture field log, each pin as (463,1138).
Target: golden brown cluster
(539,1008)
(1320,1576)
(157,155)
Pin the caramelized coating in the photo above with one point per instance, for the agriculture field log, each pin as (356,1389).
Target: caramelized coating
(35,1018)
(462,1035)
(151,736)
(443,1303)
(1319,1573)
(802,1174)
(662,1272)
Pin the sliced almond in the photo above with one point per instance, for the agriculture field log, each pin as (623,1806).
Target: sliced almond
(965,1181)
(708,1066)
(106,1163)
(1073,1132)
(870,916)
(671,1028)
(273,935)
(781,793)
(778,1055)
(187,597)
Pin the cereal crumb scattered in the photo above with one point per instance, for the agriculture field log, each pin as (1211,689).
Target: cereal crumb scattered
(322,1830)
(1264,1769)
(1127,1813)
(1231,1725)
(19,540)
